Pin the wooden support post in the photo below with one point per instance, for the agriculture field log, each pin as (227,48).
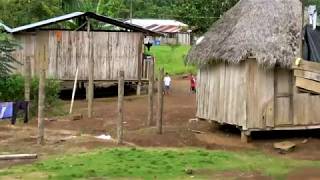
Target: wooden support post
(90,72)
(41,106)
(302,29)
(160,100)
(151,92)
(120,108)
(139,88)
(27,82)
(245,137)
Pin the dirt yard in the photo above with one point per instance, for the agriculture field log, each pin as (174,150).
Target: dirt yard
(64,135)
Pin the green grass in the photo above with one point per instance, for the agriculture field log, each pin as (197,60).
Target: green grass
(171,58)
(151,163)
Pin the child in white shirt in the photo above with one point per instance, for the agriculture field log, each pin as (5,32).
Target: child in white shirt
(167,84)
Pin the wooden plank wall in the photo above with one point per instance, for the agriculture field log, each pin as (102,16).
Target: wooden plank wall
(111,51)
(306,109)
(253,97)
(283,99)
(222,94)
(27,42)
(260,89)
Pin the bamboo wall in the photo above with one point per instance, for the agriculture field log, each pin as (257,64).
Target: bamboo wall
(68,50)
(254,98)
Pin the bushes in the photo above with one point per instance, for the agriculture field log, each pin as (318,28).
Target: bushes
(12,89)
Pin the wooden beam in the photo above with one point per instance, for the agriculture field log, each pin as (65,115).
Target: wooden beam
(308,66)
(74,91)
(120,108)
(150,92)
(18,156)
(27,82)
(307,84)
(90,73)
(307,75)
(302,28)
(41,105)
(160,101)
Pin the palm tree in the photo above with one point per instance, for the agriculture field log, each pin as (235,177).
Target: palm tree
(7,46)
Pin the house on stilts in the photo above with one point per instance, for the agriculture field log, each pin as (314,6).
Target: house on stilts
(111,44)
(250,74)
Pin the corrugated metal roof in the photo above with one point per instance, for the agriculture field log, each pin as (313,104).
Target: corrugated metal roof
(66,17)
(163,22)
(6,28)
(159,25)
(47,22)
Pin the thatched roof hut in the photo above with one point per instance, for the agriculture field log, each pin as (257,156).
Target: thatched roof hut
(245,76)
(269,30)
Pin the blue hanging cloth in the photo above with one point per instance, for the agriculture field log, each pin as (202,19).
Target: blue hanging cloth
(6,110)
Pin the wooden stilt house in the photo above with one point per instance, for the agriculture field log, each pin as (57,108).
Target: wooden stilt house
(245,73)
(116,45)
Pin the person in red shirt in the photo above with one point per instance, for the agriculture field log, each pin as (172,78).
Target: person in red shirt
(192,83)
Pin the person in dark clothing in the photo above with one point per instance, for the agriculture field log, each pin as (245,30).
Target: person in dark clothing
(18,106)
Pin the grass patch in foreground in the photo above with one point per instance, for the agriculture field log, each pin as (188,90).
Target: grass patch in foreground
(171,58)
(151,163)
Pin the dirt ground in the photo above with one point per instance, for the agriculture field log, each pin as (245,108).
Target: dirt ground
(64,135)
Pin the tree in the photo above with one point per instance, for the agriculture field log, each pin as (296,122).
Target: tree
(7,46)
(199,14)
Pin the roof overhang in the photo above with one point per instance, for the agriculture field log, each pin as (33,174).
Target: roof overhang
(90,15)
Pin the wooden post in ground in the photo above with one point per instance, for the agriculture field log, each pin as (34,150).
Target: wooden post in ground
(90,72)
(245,136)
(42,76)
(74,91)
(160,101)
(150,92)
(120,108)
(27,82)
(139,88)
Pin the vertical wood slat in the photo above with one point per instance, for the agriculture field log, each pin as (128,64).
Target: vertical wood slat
(111,51)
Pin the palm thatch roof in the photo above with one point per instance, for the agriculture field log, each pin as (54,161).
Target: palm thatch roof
(269,30)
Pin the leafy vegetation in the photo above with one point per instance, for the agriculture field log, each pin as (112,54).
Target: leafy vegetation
(12,89)
(198,14)
(171,58)
(151,164)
